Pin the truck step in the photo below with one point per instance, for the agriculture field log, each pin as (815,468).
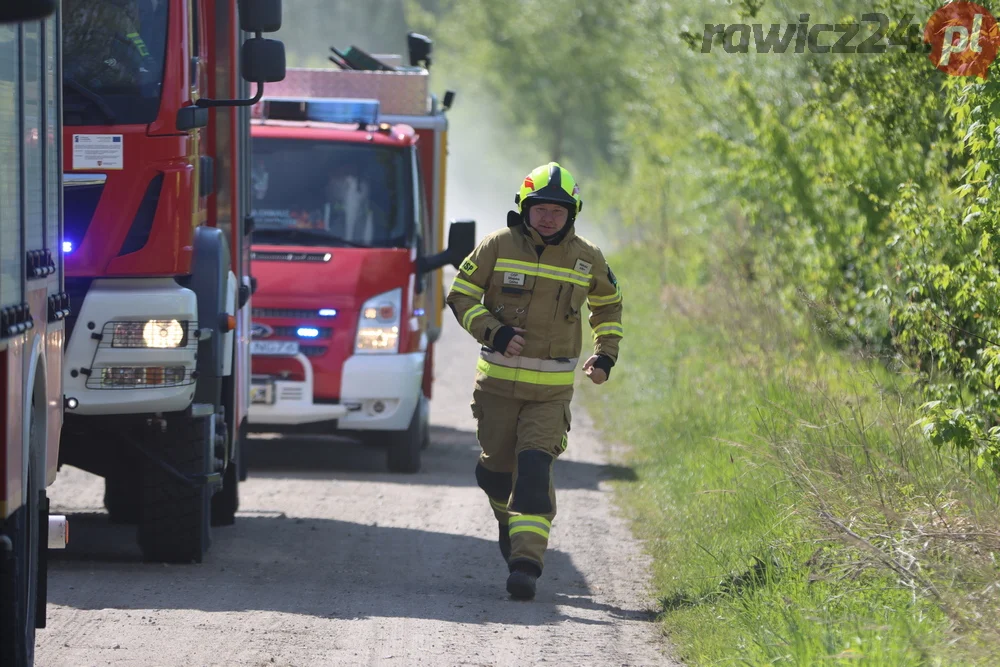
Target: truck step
(58,531)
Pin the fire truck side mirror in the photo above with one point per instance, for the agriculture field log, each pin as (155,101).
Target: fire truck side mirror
(262,60)
(461,240)
(26,10)
(259,16)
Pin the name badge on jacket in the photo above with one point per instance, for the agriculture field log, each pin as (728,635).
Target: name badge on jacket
(513,279)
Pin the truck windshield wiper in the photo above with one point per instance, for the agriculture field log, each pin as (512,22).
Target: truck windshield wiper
(291,234)
(94,98)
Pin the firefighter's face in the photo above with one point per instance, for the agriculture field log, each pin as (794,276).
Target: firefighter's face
(548,219)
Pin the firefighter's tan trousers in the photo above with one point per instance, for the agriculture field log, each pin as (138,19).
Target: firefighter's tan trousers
(520,441)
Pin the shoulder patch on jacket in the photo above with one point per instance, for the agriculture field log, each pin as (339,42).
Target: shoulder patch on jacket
(611,276)
(469,266)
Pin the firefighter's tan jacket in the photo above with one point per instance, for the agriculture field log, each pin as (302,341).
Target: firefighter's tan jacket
(513,278)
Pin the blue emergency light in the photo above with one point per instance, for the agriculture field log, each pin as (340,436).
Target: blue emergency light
(326,110)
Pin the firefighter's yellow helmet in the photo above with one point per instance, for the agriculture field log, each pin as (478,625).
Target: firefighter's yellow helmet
(551,184)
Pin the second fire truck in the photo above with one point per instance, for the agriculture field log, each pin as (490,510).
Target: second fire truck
(348,205)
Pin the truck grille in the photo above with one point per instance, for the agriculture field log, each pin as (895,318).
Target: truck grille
(285,312)
(293,332)
(271,256)
(292,393)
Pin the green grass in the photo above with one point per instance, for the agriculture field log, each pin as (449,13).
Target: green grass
(793,515)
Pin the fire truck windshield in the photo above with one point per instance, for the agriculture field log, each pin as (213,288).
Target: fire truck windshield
(113,55)
(325,193)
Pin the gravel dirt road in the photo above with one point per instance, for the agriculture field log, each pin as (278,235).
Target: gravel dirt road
(334,561)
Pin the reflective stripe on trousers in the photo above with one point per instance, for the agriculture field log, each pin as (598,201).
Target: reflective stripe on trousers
(530,523)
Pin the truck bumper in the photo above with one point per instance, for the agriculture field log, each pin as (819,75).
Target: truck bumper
(107,380)
(381,391)
(288,403)
(378,393)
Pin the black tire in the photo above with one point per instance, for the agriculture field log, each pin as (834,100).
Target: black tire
(242,465)
(123,495)
(19,585)
(242,455)
(176,518)
(227,500)
(426,424)
(403,455)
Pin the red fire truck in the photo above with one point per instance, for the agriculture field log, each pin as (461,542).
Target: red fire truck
(348,206)
(32,315)
(156,148)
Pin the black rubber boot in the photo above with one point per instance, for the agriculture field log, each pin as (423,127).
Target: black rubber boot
(521,582)
(504,541)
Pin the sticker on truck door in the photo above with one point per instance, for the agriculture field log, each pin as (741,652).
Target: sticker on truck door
(98,151)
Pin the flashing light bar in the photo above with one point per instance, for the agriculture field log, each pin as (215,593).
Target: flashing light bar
(308,332)
(326,110)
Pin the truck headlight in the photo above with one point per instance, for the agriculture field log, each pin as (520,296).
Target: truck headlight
(378,325)
(152,333)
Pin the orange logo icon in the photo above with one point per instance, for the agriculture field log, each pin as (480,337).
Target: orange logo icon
(964,38)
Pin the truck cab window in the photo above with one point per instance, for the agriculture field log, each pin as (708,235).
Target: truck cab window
(113,54)
(325,193)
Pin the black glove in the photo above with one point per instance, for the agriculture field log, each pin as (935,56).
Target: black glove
(603,362)
(502,337)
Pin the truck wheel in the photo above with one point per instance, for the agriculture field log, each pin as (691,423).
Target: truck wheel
(227,500)
(19,584)
(242,455)
(175,525)
(242,465)
(123,494)
(405,446)
(425,417)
